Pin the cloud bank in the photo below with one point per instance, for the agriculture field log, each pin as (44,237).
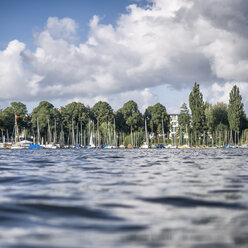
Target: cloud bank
(166,42)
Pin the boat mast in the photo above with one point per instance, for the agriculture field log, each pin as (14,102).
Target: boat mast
(163,131)
(115,142)
(73,135)
(55,133)
(147,140)
(98,133)
(38,133)
(49,132)
(16,129)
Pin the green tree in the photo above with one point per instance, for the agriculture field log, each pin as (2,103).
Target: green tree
(41,115)
(184,118)
(209,117)
(19,110)
(197,107)
(120,122)
(75,111)
(220,114)
(215,115)
(8,117)
(154,115)
(74,115)
(131,115)
(236,113)
(103,112)
(184,123)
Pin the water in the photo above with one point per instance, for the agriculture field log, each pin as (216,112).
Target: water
(124,198)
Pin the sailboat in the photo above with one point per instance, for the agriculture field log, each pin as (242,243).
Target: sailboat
(50,145)
(108,145)
(19,144)
(91,143)
(38,145)
(146,143)
(122,146)
(115,138)
(2,144)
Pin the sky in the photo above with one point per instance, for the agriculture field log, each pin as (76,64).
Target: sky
(148,51)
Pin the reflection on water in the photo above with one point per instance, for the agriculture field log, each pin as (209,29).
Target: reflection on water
(124,198)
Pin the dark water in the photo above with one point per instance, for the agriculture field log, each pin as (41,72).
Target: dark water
(124,198)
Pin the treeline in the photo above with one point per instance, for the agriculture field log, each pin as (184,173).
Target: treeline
(216,124)
(73,123)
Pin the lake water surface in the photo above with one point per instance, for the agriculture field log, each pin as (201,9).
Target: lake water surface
(124,198)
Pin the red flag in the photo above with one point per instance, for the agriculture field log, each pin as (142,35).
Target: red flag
(16,116)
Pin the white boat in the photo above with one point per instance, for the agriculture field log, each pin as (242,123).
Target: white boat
(122,146)
(108,147)
(16,147)
(244,146)
(91,144)
(2,145)
(51,146)
(171,146)
(146,143)
(144,146)
(24,144)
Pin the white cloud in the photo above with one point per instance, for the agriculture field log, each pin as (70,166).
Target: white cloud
(16,81)
(220,92)
(166,42)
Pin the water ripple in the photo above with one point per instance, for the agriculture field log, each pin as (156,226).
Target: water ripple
(124,198)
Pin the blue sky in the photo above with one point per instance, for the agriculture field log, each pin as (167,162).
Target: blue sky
(20,18)
(117,50)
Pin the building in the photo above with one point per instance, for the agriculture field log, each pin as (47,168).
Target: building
(174,125)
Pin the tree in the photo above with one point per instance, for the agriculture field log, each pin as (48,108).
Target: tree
(184,118)
(103,112)
(8,118)
(197,107)
(154,115)
(121,125)
(41,115)
(236,113)
(131,115)
(17,110)
(215,115)
(74,116)
(220,114)
(184,123)
(21,111)
(75,111)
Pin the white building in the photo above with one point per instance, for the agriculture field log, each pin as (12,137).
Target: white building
(174,125)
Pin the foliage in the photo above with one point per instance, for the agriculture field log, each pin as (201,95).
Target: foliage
(235,110)
(103,112)
(215,115)
(131,115)
(154,115)
(42,114)
(197,107)
(19,110)
(120,122)
(129,124)
(75,112)
(184,117)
